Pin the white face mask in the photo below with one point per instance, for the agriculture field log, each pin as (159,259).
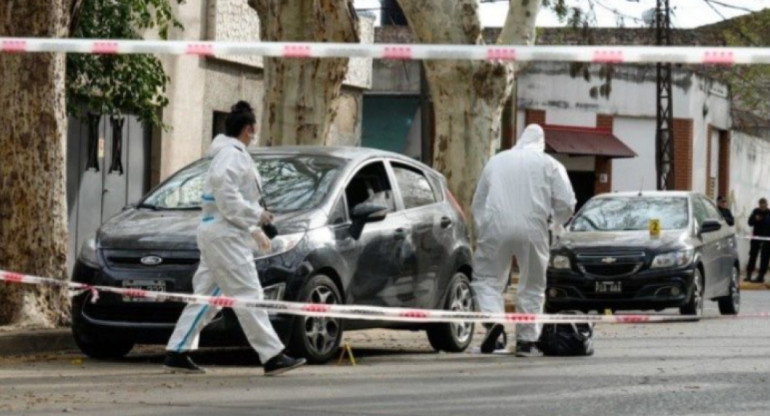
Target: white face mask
(253,141)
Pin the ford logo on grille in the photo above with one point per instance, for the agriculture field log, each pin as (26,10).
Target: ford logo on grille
(151,260)
(609,260)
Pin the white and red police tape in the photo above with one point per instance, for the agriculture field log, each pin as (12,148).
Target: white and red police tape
(596,54)
(359,312)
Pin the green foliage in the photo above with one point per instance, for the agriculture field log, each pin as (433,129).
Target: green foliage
(749,84)
(116,84)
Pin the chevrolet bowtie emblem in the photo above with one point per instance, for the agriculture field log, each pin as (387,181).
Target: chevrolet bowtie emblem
(609,260)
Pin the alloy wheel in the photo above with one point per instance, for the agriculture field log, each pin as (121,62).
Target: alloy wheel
(461,300)
(322,333)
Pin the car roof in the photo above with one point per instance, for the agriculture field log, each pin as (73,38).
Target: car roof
(648,193)
(355,155)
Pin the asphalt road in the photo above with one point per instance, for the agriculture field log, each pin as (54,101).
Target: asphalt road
(705,368)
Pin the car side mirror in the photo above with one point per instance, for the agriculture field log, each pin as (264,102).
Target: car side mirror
(709,226)
(363,214)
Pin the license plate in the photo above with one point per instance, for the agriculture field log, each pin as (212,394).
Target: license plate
(149,285)
(609,287)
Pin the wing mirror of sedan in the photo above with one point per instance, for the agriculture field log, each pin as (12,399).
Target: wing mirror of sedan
(709,226)
(363,214)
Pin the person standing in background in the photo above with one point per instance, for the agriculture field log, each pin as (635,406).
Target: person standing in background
(724,209)
(760,221)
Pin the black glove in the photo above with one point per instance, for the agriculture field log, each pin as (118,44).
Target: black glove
(270,230)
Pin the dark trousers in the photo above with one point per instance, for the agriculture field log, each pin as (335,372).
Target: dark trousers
(757,247)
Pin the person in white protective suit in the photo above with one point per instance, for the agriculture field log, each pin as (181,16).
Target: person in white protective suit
(519,191)
(230,224)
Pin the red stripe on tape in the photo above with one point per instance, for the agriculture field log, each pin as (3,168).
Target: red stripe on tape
(719,58)
(222,301)
(609,57)
(14,46)
(520,318)
(204,49)
(397,52)
(105,47)
(501,54)
(296,51)
(13,277)
(135,293)
(415,314)
(632,319)
(315,307)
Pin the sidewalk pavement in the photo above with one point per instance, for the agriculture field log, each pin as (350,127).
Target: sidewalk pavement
(36,341)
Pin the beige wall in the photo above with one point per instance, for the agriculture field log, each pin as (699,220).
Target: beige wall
(200,86)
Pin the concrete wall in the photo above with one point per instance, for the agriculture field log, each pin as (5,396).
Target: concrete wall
(635,173)
(749,181)
(571,100)
(180,143)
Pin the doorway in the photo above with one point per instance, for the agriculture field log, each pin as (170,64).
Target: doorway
(106,170)
(583,184)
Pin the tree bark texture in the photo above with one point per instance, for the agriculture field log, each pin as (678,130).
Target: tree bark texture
(301,94)
(33,129)
(468,96)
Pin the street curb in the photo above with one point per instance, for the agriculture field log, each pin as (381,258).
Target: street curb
(36,341)
(754,286)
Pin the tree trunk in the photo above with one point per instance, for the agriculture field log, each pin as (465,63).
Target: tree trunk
(301,95)
(469,95)
(33,210)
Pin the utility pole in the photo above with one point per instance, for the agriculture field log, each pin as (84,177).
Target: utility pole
(664,136)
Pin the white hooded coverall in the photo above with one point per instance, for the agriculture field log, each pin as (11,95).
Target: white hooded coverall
(518,191)
(231,210)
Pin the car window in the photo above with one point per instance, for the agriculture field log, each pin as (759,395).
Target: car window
(289,182)
(339,212)
(699,211)
(183,190)
(370,185)
(712,213)
(415,188)
(632,213)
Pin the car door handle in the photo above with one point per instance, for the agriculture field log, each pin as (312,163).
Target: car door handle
(399,234)
(446,222)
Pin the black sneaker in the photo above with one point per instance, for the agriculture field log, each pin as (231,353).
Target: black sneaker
(180,362)
(527,349)
(492,340)
(282,363)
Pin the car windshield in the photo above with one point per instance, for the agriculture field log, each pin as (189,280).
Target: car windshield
(632,214)
(290,183)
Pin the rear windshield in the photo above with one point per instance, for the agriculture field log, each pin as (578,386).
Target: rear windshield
(632,214)
(290,183)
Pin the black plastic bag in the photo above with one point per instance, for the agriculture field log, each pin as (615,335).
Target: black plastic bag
(567,340)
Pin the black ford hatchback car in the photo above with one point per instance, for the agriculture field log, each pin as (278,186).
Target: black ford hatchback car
(356,226)
(612,256)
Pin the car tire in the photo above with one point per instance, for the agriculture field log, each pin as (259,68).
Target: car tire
(317,339)
(101,347)
(694,305)
(453,337)
(731,304)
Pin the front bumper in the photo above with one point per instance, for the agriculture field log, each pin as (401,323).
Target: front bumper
(153,322)
(657,290)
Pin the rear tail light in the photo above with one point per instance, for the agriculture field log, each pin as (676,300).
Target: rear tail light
(457,205)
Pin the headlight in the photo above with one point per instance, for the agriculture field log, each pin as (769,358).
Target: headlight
(274,292)
(88,252)
(674,259)
(282,244)
(560,262)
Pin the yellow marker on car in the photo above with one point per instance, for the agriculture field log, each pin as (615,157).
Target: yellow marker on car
(654,227)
